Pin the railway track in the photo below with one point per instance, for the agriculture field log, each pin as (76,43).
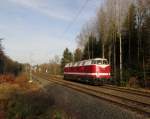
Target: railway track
(139,105)
(111,87)
(129,90)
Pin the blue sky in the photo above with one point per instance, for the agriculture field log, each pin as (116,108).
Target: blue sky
(33,30)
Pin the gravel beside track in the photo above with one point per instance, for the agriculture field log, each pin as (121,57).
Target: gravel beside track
(83,106)
(138,103)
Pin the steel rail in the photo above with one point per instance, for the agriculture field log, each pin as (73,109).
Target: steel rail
(135,92)
(121,89)
(125,102)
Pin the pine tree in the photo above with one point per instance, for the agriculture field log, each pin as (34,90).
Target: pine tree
(92,48)
(67,58)
(146,49)
(130,39)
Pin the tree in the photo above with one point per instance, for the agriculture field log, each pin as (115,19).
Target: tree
(1,58)
(92,48)
(145,43)
(130,38)
(54,65)
(84,35)
(67,57)
(7,65)
(103,28)
(121,11)
(123,28)
(77,55)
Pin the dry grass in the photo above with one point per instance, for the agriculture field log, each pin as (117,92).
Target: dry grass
(6,78)
(20,99)
(133,82)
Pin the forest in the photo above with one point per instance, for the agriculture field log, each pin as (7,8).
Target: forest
(120,32)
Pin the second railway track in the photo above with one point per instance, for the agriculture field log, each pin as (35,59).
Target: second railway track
(138,105)
(129,90)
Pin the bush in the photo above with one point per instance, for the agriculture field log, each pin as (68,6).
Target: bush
(29,106)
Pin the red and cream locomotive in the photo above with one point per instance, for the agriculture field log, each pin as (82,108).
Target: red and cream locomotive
(95,71)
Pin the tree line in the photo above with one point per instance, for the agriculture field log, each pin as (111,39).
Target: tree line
(120,32)
(7,65)
(52,67)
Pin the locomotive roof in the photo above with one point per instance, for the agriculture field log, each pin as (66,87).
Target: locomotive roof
(84,62)
(99,59)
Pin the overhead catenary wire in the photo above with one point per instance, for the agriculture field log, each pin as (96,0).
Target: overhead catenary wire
(76,17)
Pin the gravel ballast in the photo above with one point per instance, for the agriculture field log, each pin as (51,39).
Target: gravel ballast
(82,106)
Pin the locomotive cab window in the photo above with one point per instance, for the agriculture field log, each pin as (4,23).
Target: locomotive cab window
(88,62)
(83,63)
(75,64)
(67,65)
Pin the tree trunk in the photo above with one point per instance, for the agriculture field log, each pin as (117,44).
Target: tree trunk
(103,49)
(114,45)
(138,52)
(120,57)
(89,49)
(129,51)
(110,46)
(144,72)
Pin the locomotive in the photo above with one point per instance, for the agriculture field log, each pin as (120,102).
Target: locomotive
(94,71)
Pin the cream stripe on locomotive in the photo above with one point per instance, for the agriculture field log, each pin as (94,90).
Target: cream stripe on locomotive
(102,74)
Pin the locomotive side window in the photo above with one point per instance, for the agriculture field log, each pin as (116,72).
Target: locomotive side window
(88,62)
(75,64)
(99,61)
(94,62)
(70,64)
(83,63)
(105,62)
(67,65)
(78,63)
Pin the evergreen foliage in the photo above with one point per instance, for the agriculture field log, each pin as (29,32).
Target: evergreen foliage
(67,58)
(92,48)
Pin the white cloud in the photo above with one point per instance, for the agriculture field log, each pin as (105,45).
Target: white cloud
(45,8)
(60,9)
